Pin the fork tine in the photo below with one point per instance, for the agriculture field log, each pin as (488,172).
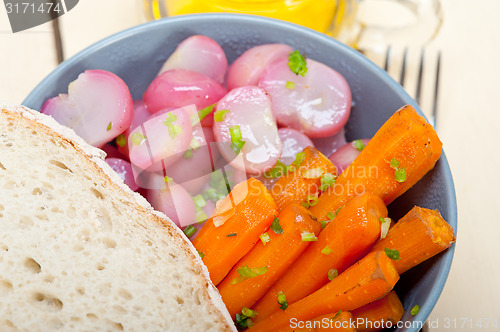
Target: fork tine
(419,79)
(387,58)
(436,92)
(403,67)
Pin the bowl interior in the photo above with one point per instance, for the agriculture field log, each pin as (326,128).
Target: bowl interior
(137,54)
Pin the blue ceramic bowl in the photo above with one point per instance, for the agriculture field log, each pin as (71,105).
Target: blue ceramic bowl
(137,54)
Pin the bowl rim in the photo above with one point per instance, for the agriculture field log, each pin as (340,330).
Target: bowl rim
(447,258)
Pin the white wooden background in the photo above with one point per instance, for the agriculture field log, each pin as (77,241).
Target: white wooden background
(469,124)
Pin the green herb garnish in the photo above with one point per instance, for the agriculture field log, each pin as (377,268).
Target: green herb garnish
(137,138)
(276,227)
(297,63)
(392,254)
(121,140)
(384,226)
(332,273)
(173,129)
(189,231)
(414,311)
(237,142)
(110,125)
(199,201)
(327,180)
(219,116)
(399,172)
(246,273)
(290,85)
(330,215)
(337,314)
(279,169)
(313,173)
(358,144)
(244,320)
(201,114)
(201,253)
(168,179)
(264,238)
(308,237)
(232,234)
(282,300)
(326,250)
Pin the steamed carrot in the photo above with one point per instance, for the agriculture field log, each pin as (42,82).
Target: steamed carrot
(304,179)
(344,240)
(234,227)
(337,321)
(405,148)
(419,235)
(368,280)
(276,252)
(388,309)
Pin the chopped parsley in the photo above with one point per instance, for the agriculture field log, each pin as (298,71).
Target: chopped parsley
(121,140)
(308,237)
(189,231)
(332,273)
(276,227)
(219,116)
(326,250)
(264,238)
(246,273)
(392,254)
(358,144)
(282,300)
(414,311)
(297,63)
(290,85)
(237,141)
(399,172)
(137,138)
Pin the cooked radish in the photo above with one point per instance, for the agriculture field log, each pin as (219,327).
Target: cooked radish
(293,142)
(124,170)
(246,70)
(330,144)
(317,104)
(98,106)
(346,154)
(244,123)
(201,54)
(112,152)
(162,140)
(140,115)
(181,87)
(175,202)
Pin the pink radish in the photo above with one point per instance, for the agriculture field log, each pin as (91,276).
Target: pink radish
(247,113)
(192,170)
(161,140)
(330,144)
(175,202)
(345,155)
(317,104)
(140,115)
(112,152)
(248,67)
(293,142)
(200,54)
(98,106)
(124,170)
(181,87)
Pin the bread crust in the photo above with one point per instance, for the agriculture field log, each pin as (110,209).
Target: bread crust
(95,160)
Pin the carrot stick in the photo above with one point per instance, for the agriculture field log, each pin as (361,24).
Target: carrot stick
(337,321)
(406,143)
(277,254)
(368,280)
(343,241)
(419,235)
(235,226)
(388,310)
(305,180)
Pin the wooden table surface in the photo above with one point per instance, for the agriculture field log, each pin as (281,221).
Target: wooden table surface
(469,126)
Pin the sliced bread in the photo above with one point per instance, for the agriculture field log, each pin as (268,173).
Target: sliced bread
(80,251)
